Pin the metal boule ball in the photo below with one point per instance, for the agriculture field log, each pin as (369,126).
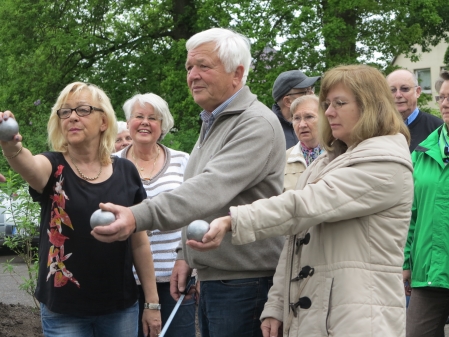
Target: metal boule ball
(8,129)
(197,229)
(101,218)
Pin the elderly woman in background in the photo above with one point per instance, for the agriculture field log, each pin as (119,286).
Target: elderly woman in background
(85,287)
(161,170)
(426,265)
(123,138)
(340,272)
(304,112)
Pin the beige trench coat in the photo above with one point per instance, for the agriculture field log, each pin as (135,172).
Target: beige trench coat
(356,210)
(295,165)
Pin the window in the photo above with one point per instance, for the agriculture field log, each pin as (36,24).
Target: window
(424,80)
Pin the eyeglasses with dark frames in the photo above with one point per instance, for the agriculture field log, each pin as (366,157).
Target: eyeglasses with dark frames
(403,89)
(309,90)
(82,110)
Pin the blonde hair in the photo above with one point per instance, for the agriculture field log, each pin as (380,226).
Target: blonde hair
(56,138)
(378,113)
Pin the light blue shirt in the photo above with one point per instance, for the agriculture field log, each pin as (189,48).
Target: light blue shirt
(412,117)
(209,117)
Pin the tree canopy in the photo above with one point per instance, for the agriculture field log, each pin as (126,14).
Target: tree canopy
(136,46)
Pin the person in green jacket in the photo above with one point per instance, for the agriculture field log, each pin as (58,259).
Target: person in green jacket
(426,265)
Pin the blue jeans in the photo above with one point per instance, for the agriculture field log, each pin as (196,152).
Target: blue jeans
(232,307)
(118,324)
(183,323)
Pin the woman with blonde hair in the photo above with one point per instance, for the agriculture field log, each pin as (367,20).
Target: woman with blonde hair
(340,272)
(85,287)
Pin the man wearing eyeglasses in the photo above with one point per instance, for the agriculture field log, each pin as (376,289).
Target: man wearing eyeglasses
(406,91)
(288,86)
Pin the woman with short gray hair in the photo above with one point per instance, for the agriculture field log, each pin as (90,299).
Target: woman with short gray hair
(304,111)
(161,170)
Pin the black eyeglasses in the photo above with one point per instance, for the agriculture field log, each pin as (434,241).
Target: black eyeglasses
(309,90)
(82,110)
(401,89)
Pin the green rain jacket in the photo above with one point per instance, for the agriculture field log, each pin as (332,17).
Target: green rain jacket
(427,247)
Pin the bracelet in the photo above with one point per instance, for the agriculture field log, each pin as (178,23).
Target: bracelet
(14,155)
(152,306)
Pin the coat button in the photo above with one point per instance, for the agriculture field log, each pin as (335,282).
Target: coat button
(302,241)
(303,303)
(305,271)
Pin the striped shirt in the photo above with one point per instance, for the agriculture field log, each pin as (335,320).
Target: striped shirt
(164,244)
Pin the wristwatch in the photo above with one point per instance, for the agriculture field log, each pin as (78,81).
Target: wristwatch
(152,306)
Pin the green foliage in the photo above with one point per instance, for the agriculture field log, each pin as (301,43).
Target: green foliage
(423,100)
(137,46)
(24,214)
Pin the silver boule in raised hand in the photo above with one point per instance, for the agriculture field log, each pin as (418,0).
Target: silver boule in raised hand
(8,129)
(197,229)
(101,218)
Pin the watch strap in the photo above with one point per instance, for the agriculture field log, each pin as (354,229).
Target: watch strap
(152,306)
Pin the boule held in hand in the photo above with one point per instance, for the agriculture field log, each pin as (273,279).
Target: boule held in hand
(8,129)
(197,229)
(101,218)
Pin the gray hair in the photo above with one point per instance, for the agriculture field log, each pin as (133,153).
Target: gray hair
(444,76)
(414,78)
(233,48)
(121,126)
(301,100)
(159,105)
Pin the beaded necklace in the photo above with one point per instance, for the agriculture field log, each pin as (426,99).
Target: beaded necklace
(82,174)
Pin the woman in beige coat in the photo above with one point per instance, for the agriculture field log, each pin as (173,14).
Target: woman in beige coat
(340,273)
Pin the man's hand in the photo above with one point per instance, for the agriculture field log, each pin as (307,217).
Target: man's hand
(2,178)
(407,279)
(120,229)
(212,239)
(151,322)
(271,327)
(178,279)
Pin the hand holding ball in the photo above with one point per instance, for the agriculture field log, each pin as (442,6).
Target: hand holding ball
(8,129)
(101,218)
(197,229)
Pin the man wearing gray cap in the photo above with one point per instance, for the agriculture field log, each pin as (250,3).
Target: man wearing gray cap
(288,86)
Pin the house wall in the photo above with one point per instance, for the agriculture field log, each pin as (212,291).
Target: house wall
(432,60)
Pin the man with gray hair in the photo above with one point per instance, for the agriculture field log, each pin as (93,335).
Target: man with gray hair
(288,86)
(406,91)
(235,161)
